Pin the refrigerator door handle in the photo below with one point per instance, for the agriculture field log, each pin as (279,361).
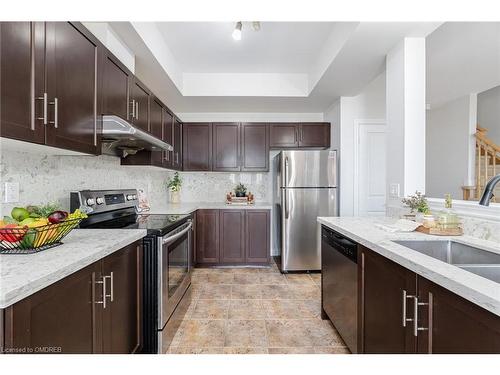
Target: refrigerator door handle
(286,172)
(285,198)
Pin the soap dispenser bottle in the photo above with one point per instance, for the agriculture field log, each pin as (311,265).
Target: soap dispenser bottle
(448,219)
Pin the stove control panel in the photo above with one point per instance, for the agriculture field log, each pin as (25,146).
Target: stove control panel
(103,200)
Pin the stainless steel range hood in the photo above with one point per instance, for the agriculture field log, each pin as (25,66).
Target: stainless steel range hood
(121,138)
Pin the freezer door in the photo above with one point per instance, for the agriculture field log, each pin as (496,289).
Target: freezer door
(309,168)
(300,232)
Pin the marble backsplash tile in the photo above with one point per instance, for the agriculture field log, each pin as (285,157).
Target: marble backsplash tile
(50,178)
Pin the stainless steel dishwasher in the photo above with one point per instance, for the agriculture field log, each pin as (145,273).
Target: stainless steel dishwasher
(339,284)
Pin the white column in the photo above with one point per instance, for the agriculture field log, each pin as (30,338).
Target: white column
(405,111)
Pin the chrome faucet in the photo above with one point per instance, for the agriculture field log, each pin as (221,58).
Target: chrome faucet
(488,190)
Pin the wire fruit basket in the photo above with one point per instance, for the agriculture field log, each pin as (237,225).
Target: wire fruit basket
(26,240)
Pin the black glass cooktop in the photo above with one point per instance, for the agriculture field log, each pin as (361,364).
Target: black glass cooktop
(154,224)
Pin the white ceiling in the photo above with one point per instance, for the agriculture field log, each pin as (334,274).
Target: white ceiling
(462,58)
(279,47)
(285,67)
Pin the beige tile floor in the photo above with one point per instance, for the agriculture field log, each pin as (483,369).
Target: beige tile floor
(255,311)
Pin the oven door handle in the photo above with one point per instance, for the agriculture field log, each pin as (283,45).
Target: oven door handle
(177,235)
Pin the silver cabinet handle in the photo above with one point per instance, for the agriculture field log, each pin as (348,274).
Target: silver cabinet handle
(137,110)
(56,112)
(105,290)
(112,286)
(406,297)
(416,328)
(133,109)
(45,108)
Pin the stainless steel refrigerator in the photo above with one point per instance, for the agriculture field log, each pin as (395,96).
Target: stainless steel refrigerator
(305,187)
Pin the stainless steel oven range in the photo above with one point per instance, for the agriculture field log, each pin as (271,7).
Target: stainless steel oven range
(167,259)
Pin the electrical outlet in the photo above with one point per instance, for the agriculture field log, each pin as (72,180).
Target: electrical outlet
(11,192)
(394,190)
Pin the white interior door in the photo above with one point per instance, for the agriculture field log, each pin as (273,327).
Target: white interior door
(371,169)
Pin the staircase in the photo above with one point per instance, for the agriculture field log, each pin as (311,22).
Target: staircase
(487,166)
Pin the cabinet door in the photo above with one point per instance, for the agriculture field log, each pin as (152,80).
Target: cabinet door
(314,135)
(454,325)
(115,88)
(284,135)
(123,313)
(254,147)
(72,83)
(232,236)
(257,236)
(156,126)
(64,316)
(226,146)
(22,62)
(140,102)
(177,143)
(168,133)
(383,285)
(197,146)
(207,236)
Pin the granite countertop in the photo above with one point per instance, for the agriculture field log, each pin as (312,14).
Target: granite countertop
(23,275)
(474,288)
(189,207)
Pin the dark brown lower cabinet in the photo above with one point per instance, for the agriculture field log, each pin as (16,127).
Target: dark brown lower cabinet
(451,324)
(207,236)
(69,316)
(401,312)
(383,285)
(232,236)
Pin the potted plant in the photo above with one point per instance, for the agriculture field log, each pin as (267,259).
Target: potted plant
(417,204)
(240,190)
(174,186)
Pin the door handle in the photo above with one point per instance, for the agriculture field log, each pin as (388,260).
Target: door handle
(137,110)
(286,171)
(133,108)
(285,197)
(416,304)
(105,290)
(45,108)
(406,297)
(56,112)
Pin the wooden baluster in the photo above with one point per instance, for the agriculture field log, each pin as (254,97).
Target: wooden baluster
(478,170)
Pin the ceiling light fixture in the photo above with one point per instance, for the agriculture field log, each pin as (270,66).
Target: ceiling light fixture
(237,31)
(256,25)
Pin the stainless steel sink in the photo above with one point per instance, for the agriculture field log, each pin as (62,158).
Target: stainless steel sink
(452,252)
(480,262)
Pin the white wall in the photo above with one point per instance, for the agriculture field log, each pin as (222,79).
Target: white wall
(369,104)
(488,112)
(448,138)
(405,107)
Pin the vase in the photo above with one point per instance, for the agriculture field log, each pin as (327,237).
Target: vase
(175,196)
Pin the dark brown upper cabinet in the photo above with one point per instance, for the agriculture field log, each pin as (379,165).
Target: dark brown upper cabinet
(257,236)
(115,90)
(70,314)
(314,134)
(232,236)
(300,135)
(207,237)
(284,136)
(72,55)
(226,147)
(22,67)
(177,144)
(156,128)
(60,108)
(168,134)
(254,147)
(197,146)
(139,102)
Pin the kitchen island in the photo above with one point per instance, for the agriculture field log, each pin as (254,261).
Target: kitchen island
(84,296)
(407,301)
